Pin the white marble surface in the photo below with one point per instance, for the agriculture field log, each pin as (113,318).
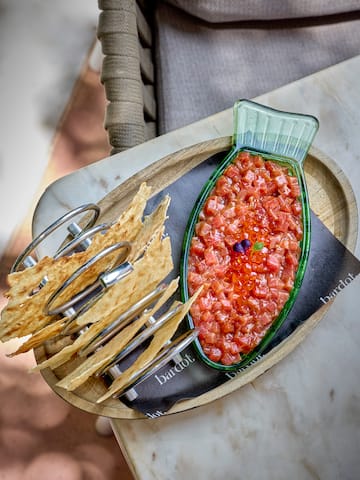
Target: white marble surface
(42,46)
(301,419)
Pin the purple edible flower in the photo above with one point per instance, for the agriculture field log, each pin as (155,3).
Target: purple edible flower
(246,244)
(243,246)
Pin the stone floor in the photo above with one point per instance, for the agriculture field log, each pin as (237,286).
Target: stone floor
(43,50)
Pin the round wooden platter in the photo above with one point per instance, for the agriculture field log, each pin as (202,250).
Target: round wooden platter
(331,199)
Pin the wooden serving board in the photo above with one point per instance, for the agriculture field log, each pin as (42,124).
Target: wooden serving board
(331,199)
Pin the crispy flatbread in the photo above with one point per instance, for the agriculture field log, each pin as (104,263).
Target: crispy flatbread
(151,260)
(50,331)
(152,223)
(163,335)
(106,354)
(24,313)
(148,272)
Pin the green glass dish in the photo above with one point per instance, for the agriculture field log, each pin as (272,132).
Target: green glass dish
(282,137)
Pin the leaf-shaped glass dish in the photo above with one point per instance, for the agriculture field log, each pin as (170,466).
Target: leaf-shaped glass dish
(278,143)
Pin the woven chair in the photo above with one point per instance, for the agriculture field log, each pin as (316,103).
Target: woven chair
(127,72)
(164,59)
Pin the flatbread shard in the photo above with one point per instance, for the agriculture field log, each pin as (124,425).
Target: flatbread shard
(161,337)
(148,272)
(50,331)
(152,224)
(107,353)
(24,313)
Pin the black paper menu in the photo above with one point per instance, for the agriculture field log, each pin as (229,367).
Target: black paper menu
(331,267)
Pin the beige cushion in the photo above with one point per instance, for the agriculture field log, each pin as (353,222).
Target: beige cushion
(239,10)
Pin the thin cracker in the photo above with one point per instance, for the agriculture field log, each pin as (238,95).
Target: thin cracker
(152,223)
(109,351)
(24,314)
(151,269)
(50,331)
(161,337)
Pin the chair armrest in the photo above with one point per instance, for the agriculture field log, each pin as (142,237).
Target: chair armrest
(127,73)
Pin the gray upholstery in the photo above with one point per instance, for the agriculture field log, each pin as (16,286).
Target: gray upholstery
(239,10)
(203,68)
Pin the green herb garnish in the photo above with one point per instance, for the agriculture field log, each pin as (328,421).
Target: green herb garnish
(258,246)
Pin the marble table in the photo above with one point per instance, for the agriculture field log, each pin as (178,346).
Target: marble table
(300,419)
